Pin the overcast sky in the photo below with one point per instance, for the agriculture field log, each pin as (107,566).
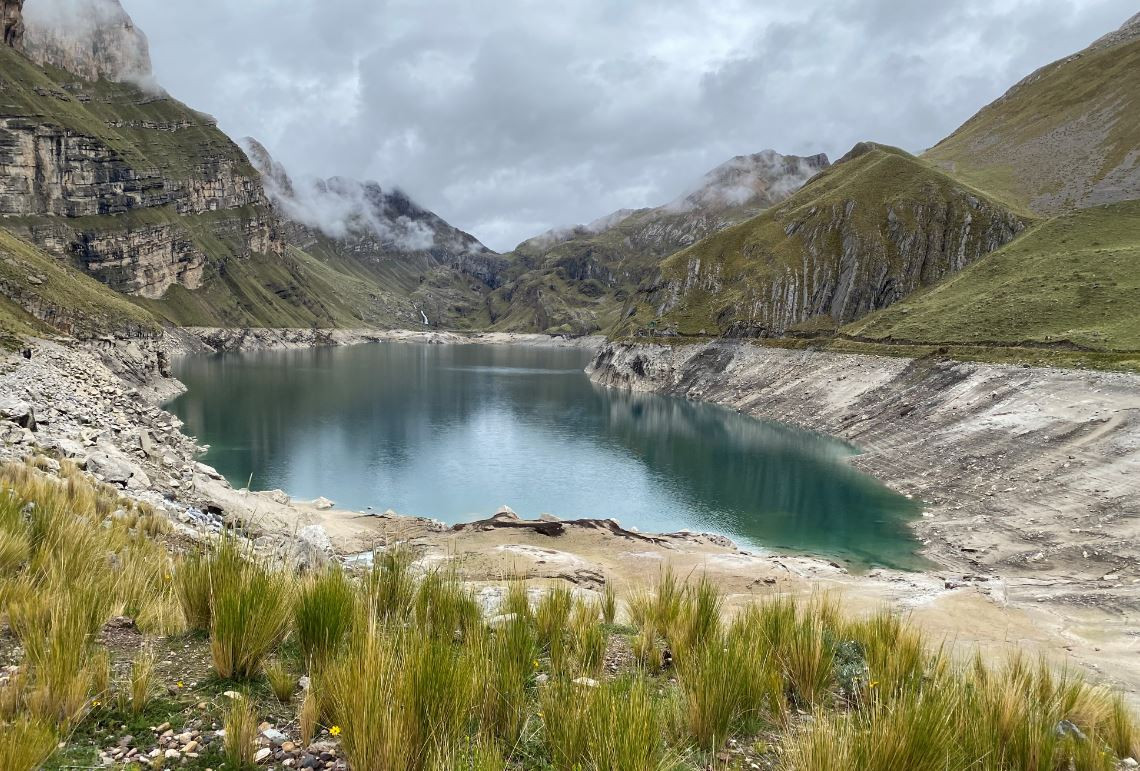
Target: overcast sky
(511,117)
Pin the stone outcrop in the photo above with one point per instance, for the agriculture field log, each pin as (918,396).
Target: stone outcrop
(12,22)
(94,39)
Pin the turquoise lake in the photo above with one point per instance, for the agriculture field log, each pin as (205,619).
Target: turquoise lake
(456,431)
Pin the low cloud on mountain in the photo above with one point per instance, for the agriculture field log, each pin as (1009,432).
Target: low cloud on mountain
(513,118)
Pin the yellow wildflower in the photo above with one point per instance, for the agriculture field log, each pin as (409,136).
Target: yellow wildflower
(335,730)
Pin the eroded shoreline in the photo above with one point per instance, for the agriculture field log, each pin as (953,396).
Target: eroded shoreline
(931,429)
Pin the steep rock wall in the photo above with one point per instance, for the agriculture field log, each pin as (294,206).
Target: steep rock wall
(864,234)
(12,22)
(135,187)
(94,39)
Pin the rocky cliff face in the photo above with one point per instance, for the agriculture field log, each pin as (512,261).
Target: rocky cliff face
(372,223)
(141,191)
(873,229)
(94,39)
(12,22)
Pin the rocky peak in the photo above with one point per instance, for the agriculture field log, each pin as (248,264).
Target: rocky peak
(274,176)
(12,22)
(369,221)
(761,179)
(94,39)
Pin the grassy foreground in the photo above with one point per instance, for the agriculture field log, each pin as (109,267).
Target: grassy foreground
(407,673)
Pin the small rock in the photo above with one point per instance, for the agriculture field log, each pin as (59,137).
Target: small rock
(275,737)
(262,755)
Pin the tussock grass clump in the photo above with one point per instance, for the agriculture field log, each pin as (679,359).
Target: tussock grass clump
(199,576)
(309,717)
(615,726)
(241,733)
(281,680)
(443,608)
(323,615)
(25,745)
(249,618)
(609,604)
(142,682)
(517,599)
(511,658)
(403,700)
(390,584)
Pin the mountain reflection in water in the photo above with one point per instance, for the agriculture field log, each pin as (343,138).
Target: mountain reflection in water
(454,432)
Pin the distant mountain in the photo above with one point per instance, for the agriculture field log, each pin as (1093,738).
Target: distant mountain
(863,234)
(425,267)
(577,280)
(1067,136)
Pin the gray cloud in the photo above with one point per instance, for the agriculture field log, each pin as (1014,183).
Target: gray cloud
(512,118)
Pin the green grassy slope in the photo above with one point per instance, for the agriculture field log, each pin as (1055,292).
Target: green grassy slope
(581,280)
(860,235)
(1066,136)
(1072,280)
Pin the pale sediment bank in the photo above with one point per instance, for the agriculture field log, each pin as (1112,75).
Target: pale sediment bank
(1029,475)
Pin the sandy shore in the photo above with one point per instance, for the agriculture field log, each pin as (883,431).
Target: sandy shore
(98,403)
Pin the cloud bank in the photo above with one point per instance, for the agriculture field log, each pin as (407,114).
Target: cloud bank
(511,118)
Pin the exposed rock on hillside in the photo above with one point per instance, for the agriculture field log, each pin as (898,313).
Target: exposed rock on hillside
(12,22)
(577,280)
(863,234)
(94,39)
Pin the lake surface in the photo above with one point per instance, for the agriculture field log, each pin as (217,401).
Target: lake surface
(456,431)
